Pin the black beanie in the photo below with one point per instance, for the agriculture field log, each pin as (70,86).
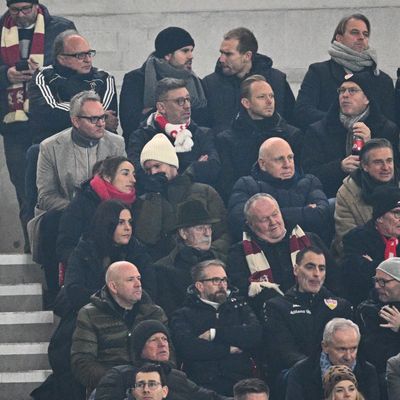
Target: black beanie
(143,331)
(9,2)
(384,199)
(362,79)
(171,39)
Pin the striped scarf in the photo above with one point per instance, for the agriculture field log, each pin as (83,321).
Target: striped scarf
(10,54)
(260,270)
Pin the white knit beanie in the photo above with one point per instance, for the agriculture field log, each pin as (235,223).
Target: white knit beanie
(159,149)
(391,266)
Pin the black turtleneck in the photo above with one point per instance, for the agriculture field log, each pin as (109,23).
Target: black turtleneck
(83,141)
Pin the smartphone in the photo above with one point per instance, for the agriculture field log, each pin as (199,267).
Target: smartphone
(22,65)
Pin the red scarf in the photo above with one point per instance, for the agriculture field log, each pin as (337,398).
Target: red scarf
(107,191)
(10,54)
(390,247)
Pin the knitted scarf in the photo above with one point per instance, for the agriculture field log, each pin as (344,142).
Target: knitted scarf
(107,191)
(354,61)
(390,246)
(348,122)
(260,270)
(156,69)
(18,104)
(179,133)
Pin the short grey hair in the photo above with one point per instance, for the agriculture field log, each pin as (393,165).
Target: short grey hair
(58,45)
(80,99)
(197,271)
(253,199)
(338,324)
(167,84)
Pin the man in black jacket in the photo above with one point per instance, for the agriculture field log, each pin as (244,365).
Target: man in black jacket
(239,59)
(215,333)
(27,32)
(350,52)
(339,347)
(353,118)
(151,343)
(295,322)
(256,121)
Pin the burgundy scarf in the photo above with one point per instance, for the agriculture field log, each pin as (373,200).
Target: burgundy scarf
(107,191)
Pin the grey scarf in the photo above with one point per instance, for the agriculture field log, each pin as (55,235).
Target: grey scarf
(160,67)
(354,61)
(348,122)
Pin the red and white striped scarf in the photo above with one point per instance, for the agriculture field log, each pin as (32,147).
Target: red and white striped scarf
(18,104)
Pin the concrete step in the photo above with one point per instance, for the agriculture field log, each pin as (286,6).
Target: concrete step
(27,297)
(18,269)
(15,357)
(36,326)
(18,385)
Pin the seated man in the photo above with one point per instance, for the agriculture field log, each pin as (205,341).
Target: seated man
(251,389)
(150,383)
(238,60)
(53,87)
(379,318)
(151,343)
(300,197)
(366,246)
(256,121)
(353,117)
(261,265)
(295,322)
(172,58)
(194,237)
(103,330)
(193,144)
(340,342)
(164,189)
(215,333)
(350,52)
(353,201)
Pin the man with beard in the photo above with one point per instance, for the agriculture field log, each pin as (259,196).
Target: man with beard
(172,58)
(239,59)
(27,33)
(366,246)
(194,145)
(215,333)
(353,200)
(194,237)
(350,53)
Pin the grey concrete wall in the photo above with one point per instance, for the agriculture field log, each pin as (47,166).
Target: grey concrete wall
(294,33)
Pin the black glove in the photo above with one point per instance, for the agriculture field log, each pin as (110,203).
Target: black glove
(156,183)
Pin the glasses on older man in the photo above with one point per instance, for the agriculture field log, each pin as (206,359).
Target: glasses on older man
(16,10)
(180,101)
(94,119)
(82,55)
(351,91)
(381,282)
(216,281)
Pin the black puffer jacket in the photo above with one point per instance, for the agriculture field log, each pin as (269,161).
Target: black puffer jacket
(324,145)
(223,92)
(293,196)
(238,146)
(210,363)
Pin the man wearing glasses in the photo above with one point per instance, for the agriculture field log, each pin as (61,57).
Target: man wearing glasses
(366,246)
(150,383)
(194,145)
(72,72)
(27,32)
(331,146)
(215,333)
(379,317)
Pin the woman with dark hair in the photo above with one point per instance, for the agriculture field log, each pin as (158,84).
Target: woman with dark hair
(109,239)
(114,178)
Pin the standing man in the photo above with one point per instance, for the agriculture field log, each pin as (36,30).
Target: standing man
(172,58)
(350,52)
(238,60)
(27,33)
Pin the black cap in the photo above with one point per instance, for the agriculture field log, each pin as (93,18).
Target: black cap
(362,79)
(9,2)
(384,199)
(171,39)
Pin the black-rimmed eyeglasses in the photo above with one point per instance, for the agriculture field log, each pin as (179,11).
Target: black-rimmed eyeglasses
(216,281)
(94,119)
(82,55)
(16,10)
(381,282)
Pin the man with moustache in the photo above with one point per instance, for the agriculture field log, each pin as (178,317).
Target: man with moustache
(296,320)
(353,118)
(172,58)
(27,32)
(350,53)
(194,145)
(104,326)
(215,333)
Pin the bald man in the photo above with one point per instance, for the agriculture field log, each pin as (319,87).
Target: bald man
(300,197)
(104,326)
(256,121)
